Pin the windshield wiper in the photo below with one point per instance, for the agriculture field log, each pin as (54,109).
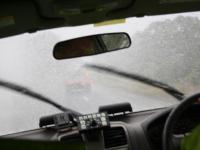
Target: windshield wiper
(168,89)
(28,92)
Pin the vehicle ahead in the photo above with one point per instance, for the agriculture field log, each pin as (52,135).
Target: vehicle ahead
(135,96)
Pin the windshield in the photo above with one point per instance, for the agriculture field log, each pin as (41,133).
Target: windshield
(164,48)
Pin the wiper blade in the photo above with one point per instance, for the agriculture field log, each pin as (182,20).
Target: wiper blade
(167,88)
(28,92)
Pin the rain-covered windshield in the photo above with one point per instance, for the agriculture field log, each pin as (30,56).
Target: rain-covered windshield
(164,48)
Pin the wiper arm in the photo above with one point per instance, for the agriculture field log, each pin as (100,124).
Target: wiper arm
(28,92)
(167,88)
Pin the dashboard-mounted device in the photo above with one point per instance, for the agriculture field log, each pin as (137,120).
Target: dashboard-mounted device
(116,108)
(95,121)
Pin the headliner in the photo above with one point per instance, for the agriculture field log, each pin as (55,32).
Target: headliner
(20,16)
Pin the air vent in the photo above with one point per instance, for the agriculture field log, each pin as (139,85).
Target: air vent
(114,137)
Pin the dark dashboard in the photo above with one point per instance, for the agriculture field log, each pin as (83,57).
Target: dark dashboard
(140,130)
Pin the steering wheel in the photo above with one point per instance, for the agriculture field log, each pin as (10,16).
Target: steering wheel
(173,117)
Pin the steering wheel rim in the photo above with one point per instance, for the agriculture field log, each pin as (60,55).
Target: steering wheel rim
(173,116)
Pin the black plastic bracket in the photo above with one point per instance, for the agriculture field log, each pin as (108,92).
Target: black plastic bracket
(116,108)
(60,121)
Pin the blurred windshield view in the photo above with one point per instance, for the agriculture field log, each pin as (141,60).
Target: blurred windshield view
(164,48)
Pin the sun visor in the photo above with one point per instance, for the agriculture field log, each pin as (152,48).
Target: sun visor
(80,8)
(18,17)
(178,1)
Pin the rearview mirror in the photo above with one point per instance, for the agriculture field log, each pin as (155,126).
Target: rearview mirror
(91,45)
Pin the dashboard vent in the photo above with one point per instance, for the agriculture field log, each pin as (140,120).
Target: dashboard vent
(115,137)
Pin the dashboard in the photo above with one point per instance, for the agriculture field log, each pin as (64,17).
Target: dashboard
(140,130)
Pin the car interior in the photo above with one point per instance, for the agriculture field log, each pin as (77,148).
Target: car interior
(115,126)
